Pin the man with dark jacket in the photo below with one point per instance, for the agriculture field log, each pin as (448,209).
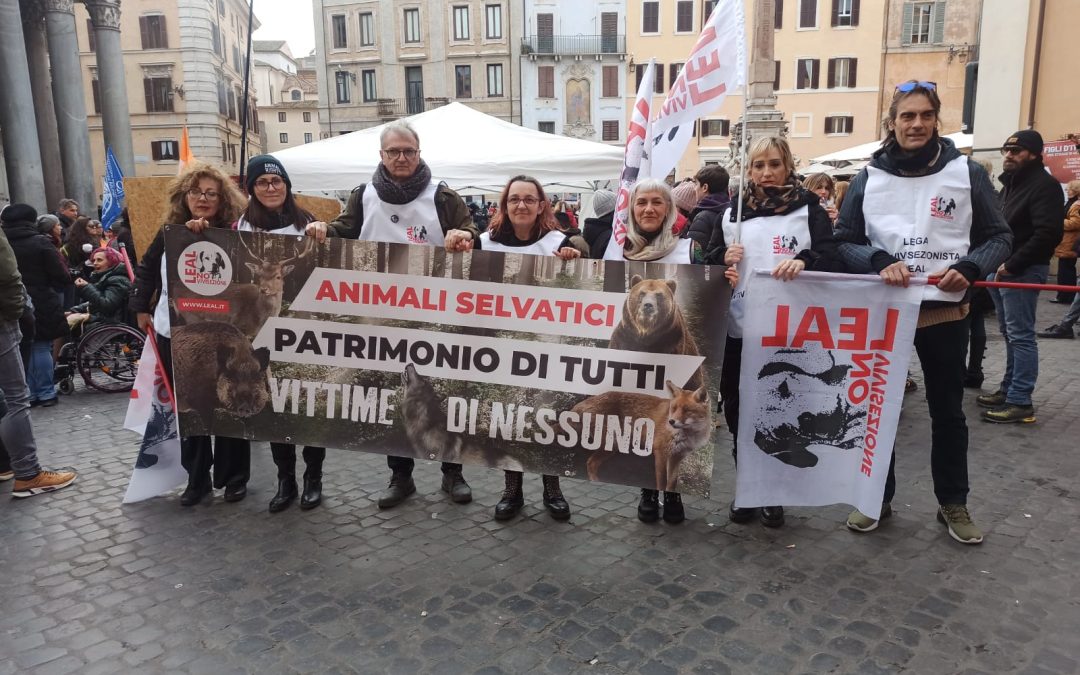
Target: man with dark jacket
(67,211)
(16,431)
(921,207)
(403,205)
(1031,199)
(597,229)
(713,200)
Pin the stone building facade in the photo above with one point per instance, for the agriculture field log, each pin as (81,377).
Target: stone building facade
(288,97)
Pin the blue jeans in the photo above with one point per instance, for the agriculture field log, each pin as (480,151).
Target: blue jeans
(1073,314)
(39,371)
(15,428)
(1016,320)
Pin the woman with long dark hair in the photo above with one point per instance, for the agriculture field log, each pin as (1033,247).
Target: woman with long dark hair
(84,233)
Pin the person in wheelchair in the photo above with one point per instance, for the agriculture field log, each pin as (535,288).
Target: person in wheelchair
(105,295)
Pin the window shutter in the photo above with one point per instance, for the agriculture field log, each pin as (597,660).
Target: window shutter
(852,69)
(832,72)
(828,124)
(854,12)
(659,84)
(673,72)
(776,76)
(850,124)
(148,91)
(808,14)
(778,18)
(938,33)
(905,34)
(143,31)
(835,13)
(817,72)
(639,75)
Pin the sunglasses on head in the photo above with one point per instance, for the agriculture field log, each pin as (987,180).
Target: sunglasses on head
(911,85)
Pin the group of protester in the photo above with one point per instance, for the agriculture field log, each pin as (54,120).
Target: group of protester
(917,188)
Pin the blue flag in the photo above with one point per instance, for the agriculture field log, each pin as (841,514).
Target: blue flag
(112,196)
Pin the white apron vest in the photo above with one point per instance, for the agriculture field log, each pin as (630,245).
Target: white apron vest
(767,241)
(924,221)
(547,245)
(294,230)
(679,255)
(414,223)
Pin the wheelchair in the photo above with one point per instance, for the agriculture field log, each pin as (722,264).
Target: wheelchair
(106,356)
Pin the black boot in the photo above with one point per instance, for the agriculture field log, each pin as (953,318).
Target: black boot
(512,499)
(741,514)
(556,504)
(401,486)
(648,509)
(312,496)
(673,508)
(453,484)
(772,516)
(197,489)
(286,493)
(973,379)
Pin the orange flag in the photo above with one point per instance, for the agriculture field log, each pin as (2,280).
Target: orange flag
(186,157)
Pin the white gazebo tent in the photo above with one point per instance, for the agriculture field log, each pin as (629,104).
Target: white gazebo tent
(862,152)
(470,151)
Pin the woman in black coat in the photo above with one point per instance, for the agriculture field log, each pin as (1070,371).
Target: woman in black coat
(45,276)
(105,295)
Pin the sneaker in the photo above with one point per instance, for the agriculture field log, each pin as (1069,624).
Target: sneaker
(1010,414)
(1058,332)
(995,400)
(45,481)
(957,518)
(858,521)
(6,475)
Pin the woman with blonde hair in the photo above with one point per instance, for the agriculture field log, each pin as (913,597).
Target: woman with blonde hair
(201,197)
(823,185)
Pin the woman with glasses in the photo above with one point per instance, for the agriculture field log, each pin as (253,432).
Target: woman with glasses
(272,208)
(201,197)
(525,223)
(776,207)
(83,237)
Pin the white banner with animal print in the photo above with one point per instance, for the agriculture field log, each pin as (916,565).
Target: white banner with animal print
(824,363)
(582,368)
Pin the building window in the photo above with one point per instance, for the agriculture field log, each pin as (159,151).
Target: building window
(842,72)
(281,117)
(224,152)
(845,13)
(673,71)
(839,124)
(160,150)
(283,137)
(232,105)
(337,29)
(367,82)
(776,76)
(307,117)
(715,127)
(808,14)
(546,82)
(494,79)
(494,22)
(650,17)
(924,23)
(684,16)
(658,83)
(152,28)
(546,127)
(296,95)
(610,130)
(341,80)
(707,8)
(236,58)
(463,81)
(95,91)
(158,91)
(307,137)
(806,76)
(412,25)
(778,15)
(215,36)
(367,29)
(223,105)
(610,82)
(461,23)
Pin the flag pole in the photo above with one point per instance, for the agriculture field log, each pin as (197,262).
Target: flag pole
(742,143)
(247,83)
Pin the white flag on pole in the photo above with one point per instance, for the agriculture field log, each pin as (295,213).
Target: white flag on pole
(635,161)
(824,363)
(151,414)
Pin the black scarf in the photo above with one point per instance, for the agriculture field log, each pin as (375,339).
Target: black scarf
(771,201)
(915,163)
(401,193)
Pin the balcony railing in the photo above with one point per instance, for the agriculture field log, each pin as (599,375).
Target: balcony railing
(573,44)
(389,108)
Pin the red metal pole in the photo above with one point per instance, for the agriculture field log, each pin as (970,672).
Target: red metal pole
(1012,284)
(150,334)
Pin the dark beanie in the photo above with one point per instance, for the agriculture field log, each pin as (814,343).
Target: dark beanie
(1025,139)
(15,213)
(262,165)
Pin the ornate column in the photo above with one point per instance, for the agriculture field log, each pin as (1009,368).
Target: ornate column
(105,16)
(762,117)
(70,104)
(22,157)
(37,53)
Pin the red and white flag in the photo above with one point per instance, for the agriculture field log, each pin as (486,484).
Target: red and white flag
(635,161)
(151,414)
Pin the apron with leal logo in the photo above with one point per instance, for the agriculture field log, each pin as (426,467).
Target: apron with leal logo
(416,222)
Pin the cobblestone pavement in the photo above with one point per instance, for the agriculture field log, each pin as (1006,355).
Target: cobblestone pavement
(92,587)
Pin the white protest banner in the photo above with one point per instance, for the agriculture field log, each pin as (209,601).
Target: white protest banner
(716,66)
(824,363)
(636,162)
(150,413)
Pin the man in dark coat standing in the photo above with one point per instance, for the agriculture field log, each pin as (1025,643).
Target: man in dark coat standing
(1031,199)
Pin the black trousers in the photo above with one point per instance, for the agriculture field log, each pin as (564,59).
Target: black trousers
(285,460)
(404,465)
(230,458)
(942,350)
(729,390)
(1066,276)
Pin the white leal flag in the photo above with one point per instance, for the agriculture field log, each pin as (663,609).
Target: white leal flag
(151,414)
(635,161)
(824,362)
(716,66)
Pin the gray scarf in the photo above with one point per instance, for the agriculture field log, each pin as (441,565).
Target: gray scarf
(401,193)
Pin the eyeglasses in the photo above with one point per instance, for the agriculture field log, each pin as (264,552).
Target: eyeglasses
(196,193)
(93,225)
(910,85)
(275,183)
(408,153)
(1012,150)
(527,201)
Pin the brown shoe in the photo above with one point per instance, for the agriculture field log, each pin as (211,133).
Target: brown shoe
(45,481)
